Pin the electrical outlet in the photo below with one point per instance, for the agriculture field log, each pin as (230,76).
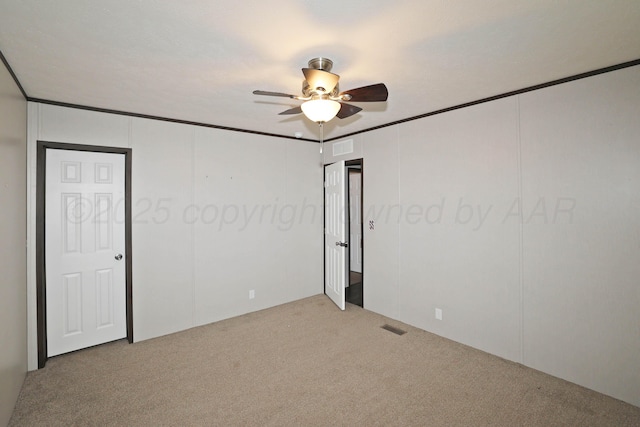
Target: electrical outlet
(252,294)
(438,314)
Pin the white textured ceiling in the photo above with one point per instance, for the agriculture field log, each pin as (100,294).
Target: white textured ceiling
(200,61)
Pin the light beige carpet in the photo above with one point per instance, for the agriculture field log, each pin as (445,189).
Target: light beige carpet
(304,364)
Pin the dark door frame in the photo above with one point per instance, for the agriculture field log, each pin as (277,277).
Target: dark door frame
(349,164)
(41,283)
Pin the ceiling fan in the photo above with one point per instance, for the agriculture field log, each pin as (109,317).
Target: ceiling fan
(322,96)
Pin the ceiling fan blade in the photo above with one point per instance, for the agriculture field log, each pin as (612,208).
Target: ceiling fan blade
(347,110)
(295,110)
(320,78)
(372,93)
(267,93)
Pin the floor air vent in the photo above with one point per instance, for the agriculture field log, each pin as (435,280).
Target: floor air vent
(394,330)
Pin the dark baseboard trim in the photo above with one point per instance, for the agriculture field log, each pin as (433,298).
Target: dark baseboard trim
(13,75)
(493,98)
(163,119)
(421,116)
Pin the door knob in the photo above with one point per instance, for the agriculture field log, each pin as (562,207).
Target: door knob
(118,257)
(343,244)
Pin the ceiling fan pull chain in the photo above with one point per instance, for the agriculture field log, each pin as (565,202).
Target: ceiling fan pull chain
(321,137)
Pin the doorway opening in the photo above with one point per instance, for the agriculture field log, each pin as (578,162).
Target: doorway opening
(354,292)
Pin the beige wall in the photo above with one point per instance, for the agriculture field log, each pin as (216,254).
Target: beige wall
(215,215)
(13,317)
(551,282)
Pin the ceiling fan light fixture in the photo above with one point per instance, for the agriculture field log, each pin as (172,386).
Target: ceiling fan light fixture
(320,110)
(322,96)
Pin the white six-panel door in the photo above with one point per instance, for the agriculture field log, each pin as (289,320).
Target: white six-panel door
(84,249)
(336,250)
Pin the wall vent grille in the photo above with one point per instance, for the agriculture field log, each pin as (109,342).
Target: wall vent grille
(343,147)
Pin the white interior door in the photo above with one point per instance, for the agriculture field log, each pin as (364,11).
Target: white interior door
(335,233)
(355,221)
(84,249)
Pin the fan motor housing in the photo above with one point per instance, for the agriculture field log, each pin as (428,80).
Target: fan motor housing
(307,90)
(323,64)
